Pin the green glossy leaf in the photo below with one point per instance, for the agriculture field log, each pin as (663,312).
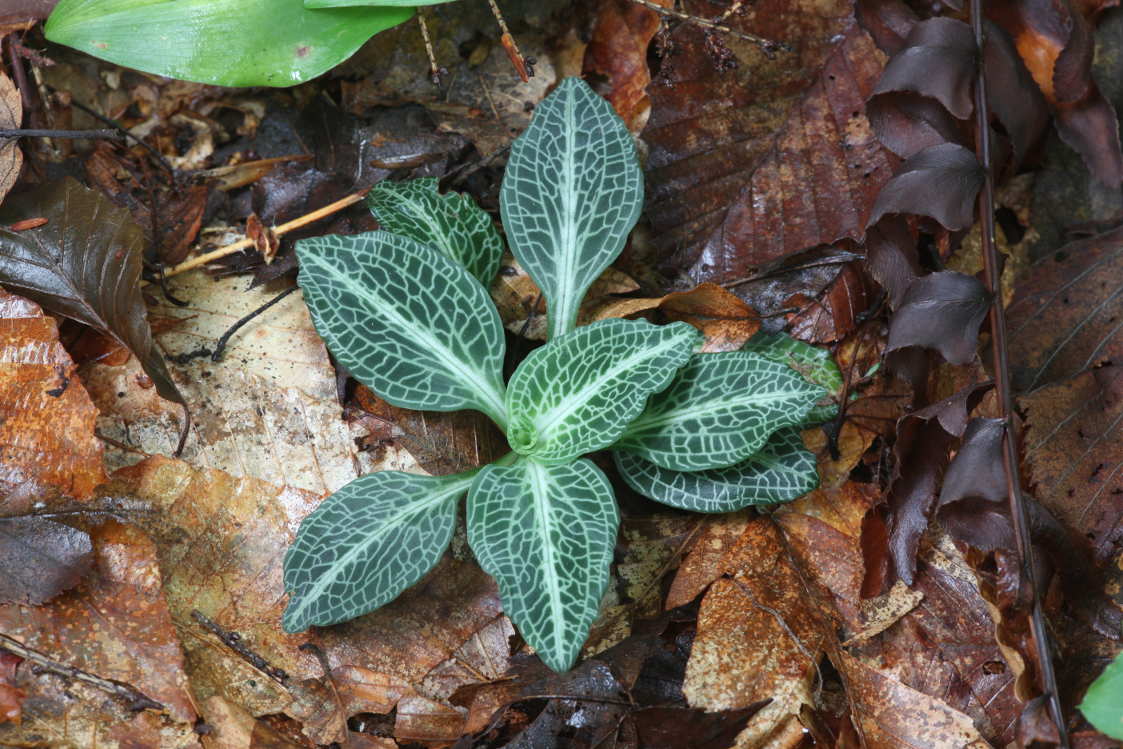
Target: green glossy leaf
(452,223)
(223,42)
(1103,702)
(571,193)
(374,3)
(577,393)
(406,321)
(779,472)
(367,543)
(815,364)
(546,534)
(719,410)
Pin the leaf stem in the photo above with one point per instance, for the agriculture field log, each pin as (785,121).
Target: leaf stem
(992,277)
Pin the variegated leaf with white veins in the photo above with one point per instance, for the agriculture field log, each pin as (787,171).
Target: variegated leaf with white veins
(780,471)
(719,410)
(406,321)
(546,534)
(452,223)
(577,393)
(572,191)
(367,543)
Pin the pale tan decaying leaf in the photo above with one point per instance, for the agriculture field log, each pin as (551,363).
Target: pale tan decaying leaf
(11,117)
(267,410)
(46,417)
(221,542)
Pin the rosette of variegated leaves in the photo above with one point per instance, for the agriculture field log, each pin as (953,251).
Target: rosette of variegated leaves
(406,310)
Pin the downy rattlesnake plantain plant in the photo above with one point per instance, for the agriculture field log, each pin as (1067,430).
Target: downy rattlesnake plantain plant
(406,310)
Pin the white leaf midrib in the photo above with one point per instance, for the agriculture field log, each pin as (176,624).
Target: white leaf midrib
(543,519)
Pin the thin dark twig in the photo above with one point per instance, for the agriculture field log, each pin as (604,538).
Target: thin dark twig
(135,699)
(993,278)
(233,640)
(769,46)
(18,72)
(221,345)
(73,134)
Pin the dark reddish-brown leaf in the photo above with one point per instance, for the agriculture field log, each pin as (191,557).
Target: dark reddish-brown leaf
(85,264)
(1067,312)
(1056,43)
(976,470)
(837,310)
(47,441)
(942,311)
(1012,95)
(887,21)
(11,696)
(940,182)
(938,61)
(891,257)
(40,559)
(774,157)
(907,123)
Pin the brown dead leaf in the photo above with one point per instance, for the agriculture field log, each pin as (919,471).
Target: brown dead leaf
(776,156)
(269,409)
(617,51)
(221,542)
(759,637)
(892,715)
(11,696)
(46,418)
(114,626)
(725,321)
(11,118)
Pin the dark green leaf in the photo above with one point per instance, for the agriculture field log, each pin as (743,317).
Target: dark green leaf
(577,393)
(571,194)
(546,534)
(452,223)
(367,543)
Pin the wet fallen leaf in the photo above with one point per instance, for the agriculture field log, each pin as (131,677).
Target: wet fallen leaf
(11,118)
(115,627)
(1066,311)
(46,418)
(11,696)
(221,541)
(268,409)
(41,558)
(84,263)
(617,51)
(773,157)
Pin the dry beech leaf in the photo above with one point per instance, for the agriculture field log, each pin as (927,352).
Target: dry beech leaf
(751,164)
(617,51)
(221,542)
(1064,317)
(940,182)
(939,653)
(742,653)
(11,118)
(725,321)
(268,409)
(84,263)
(114,625)
(40,559)
(937,61)
(942,311)
(46,418)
